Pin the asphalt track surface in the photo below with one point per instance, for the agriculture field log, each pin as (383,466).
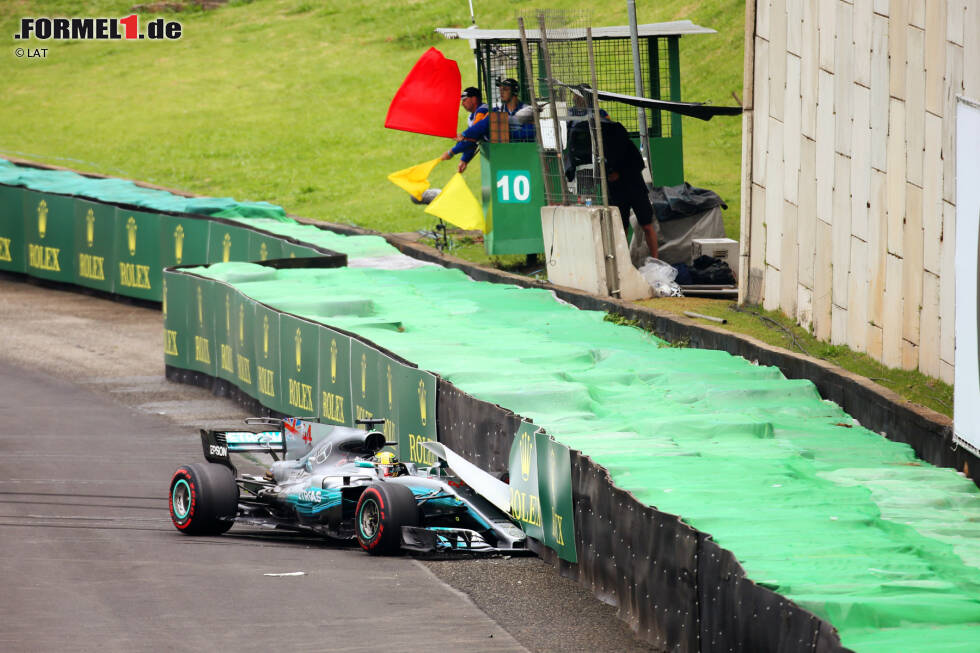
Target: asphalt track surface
(90,433)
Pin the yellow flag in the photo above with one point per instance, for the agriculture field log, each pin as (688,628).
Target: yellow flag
(457,205)
(415,179)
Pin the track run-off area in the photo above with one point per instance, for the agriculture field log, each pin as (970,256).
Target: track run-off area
(90,433)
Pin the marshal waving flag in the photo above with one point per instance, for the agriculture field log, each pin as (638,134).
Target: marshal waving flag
(428,100)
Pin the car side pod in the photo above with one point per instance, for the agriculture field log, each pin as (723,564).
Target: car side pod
(203,499)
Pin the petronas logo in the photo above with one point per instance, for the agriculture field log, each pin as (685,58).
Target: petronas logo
(241,324)
(422,396)
(527,452)
(299,350)
(226,248)
(363,375)
(179,243)
(265,336)
(228,314)
(42,218)
(263,252)
(389,387)
(333,361)
(90,227)
(131,228)
(200,307)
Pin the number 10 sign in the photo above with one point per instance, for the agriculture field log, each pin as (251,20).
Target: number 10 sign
(513,186)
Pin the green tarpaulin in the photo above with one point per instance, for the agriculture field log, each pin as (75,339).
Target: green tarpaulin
(843,521)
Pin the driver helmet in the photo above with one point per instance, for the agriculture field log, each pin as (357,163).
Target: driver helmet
(387,463)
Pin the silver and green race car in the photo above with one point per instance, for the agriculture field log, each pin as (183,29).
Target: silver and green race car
(344,483)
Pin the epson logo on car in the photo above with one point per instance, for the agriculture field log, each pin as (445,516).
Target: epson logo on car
(218,450)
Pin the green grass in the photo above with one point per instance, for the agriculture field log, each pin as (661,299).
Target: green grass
(775,328)
(284,100)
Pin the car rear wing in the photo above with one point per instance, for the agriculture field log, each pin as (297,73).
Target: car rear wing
(218,444)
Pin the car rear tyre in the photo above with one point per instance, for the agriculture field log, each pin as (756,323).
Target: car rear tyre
(381,512)
(203,499)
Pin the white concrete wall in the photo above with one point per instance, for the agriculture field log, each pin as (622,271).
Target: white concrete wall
(848,199)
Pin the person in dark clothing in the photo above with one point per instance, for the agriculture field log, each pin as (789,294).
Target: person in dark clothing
(624,172)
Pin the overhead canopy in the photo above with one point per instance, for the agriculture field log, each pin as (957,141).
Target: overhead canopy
(692,109)
(673,28)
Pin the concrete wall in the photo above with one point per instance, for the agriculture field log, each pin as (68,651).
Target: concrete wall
(848,189)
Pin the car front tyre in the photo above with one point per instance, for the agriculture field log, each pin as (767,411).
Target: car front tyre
(381,512)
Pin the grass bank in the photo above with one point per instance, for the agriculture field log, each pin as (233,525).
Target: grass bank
(284,100)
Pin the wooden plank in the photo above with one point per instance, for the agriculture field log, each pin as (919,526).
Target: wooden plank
(915,105)
(917,13)
(757,254)
(825,145)
(881,7)
(789,256)
(955,17)
(861,162)
(912,264)
(862,42)
(929,326)
(946,372)
(843,78)
(822,281)
(910,355)
(877,248)
(857,295)
(760,125)
(947,286)
(838,325)
(827,31)
(770,300)
(896,178)
(809,65)
(806,219)
(791,130)
(891,340)
(794,26)
(971,50)
(804,307)
(879,92)
(874,342)
(777,58)
(841,227)
(935,55)
(932,195)
(762,13)
(774,198)
(897,22)
(952,86)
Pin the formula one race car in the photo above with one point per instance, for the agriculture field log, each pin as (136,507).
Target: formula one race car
(344,483)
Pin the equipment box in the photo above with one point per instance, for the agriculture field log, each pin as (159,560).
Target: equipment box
(725,249)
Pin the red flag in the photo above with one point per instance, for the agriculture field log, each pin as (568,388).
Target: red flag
(428,100)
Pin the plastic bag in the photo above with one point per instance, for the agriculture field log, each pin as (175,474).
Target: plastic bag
(660,275)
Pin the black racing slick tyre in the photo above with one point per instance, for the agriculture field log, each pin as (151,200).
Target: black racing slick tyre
(381,512)
(203,499)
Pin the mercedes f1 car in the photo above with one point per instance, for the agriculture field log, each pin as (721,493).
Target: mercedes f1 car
(344,483)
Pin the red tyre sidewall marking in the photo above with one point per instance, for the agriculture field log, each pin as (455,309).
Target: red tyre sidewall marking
(185,475)
(381,516)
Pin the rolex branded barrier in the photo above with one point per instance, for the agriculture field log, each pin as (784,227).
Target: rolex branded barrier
(290,365)
(120,249)
(676,587)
